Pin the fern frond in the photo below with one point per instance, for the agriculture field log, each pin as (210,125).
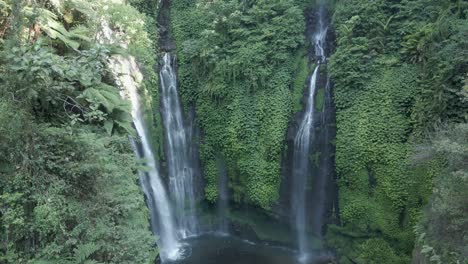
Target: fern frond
(50,25)
(83,7)
(105,95)
(84,251)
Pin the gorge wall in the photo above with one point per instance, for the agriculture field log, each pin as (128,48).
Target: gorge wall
(246,98)
(240,69)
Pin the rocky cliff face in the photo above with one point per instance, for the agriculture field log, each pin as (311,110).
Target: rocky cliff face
(166,42)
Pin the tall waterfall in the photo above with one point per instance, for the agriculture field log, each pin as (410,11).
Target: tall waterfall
(162,221)
(181,171)
(302,148)
(128,77)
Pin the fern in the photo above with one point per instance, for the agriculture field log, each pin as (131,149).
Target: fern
(118,109)
(124,120)
(84,251)
(81,33)
(84,7)
(104,95)
(56,30)
(49,24)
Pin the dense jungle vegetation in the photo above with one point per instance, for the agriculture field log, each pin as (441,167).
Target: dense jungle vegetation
(68,176)
(400,77)
(236,62)
(400,74)
(68,185)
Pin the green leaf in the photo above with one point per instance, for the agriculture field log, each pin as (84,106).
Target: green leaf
(426,249)
(83,251)
(105,95)
(109,125)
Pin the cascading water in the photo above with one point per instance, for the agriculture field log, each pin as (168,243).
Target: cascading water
(153,186)
(301,167)
(181,171)
(150,180)
(302,148)
(128,77)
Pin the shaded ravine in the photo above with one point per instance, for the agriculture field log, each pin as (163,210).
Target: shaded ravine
(128,77)
(307,210)
(177,147)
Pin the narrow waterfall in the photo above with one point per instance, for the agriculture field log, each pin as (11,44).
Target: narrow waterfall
(127,75)
(302,150)
(324,173)
(154,187)
(301,165)
(181,171)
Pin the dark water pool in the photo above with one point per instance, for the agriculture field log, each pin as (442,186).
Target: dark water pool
(217,249)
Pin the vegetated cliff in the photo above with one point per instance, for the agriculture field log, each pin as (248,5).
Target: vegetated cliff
(399,71)
(68,185)
(237,62)
(398,74)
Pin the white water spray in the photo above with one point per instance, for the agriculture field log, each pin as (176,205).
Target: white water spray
(181,171)
(302,145)
(129,78)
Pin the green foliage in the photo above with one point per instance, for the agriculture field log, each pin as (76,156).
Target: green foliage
(376,186)
(83,251)
(377,251)
(68,185)
(51,199)
(236,65)
(398,70)
(301,73)
(72,86)
(442,232)
(143,47)
(48,22)
(319,99)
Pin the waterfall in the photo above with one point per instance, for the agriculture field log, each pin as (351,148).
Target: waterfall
(128,77)
(302,150)
(181,169)
(301,171)
(326,165)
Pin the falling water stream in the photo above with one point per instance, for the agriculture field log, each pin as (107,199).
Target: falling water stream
(128,78)
(302,149)
(181,172)
(174,215)
(301,170)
